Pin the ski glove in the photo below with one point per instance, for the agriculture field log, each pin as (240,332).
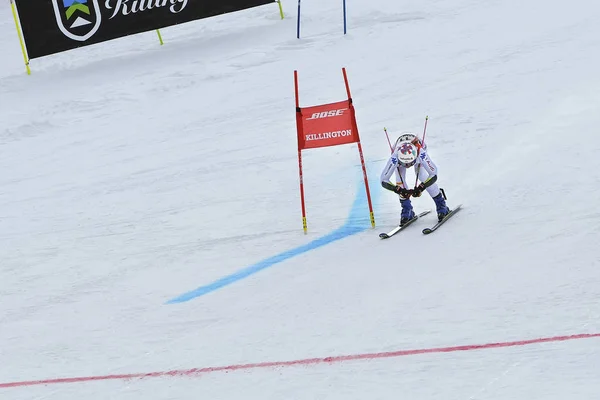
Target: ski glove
(416,192)
(403,192)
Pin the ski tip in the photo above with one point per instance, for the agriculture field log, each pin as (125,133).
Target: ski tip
(384,235)
(427,231)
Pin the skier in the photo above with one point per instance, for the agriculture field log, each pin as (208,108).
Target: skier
(409,151)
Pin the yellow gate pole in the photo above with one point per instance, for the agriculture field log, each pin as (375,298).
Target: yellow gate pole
(14,12)
(159,37)
(280,9)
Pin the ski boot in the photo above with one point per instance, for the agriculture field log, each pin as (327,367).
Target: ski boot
(407,212)
(442,208)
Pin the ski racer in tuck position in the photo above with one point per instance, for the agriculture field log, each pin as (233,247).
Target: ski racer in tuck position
(409,151)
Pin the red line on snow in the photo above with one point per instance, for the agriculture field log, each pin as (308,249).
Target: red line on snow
(308,361)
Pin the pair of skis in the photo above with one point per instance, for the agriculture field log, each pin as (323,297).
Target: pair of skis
(426,231)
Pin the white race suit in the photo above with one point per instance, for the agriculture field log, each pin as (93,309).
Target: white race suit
(424,167)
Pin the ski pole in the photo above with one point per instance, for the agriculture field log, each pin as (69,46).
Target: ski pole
(398,176)
(425,130)
(388,139)
(422,145)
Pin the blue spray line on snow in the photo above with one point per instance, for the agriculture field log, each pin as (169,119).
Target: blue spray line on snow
(357,221)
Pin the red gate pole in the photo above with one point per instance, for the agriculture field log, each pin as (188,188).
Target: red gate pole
(300,133)
(360,152)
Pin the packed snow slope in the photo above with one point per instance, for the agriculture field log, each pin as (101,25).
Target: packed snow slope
(134,173)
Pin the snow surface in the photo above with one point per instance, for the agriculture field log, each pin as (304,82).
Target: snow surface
(133,173)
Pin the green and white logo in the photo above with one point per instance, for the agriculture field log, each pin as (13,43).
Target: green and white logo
(77,19)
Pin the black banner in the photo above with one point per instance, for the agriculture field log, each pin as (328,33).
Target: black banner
(52,26)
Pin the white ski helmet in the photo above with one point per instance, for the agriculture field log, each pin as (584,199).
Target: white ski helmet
(407,146)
